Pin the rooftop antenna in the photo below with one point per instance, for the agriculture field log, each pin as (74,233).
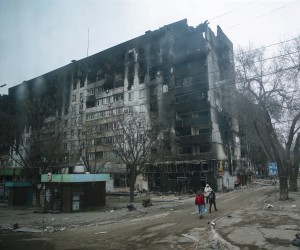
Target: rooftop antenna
(87,51)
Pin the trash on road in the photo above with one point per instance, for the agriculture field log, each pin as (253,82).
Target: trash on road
(28,230)
(131,207)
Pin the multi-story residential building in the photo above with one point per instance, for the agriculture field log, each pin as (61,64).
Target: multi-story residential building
(180,74)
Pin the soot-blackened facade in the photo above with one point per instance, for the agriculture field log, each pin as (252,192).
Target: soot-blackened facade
(179,74)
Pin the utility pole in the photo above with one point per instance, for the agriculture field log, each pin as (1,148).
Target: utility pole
(88,44)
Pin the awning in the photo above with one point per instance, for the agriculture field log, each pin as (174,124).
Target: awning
(10,172)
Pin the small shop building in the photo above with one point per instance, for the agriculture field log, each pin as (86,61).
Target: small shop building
(20,193)
(74,192)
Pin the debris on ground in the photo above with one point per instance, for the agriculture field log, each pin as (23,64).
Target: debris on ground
(131,207)
(147,203)
(142,211)
(296,241)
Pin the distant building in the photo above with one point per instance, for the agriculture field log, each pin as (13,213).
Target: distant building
(180,74)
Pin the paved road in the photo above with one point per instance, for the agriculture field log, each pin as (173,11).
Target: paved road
(163,227)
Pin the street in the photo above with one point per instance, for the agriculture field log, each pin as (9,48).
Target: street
(173,226)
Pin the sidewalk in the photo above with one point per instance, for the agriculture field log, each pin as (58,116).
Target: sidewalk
(29,219)
(263,224)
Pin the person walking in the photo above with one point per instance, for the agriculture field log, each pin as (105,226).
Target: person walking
(207,191)
(212,200)
(199,202)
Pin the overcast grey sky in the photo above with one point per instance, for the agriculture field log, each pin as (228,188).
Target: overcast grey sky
(38,36)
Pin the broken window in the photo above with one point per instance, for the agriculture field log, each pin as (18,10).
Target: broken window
(203,130)
(117,97)
(181,99)
(99,89)
(99,102)
(74,84)
(80,119)
(130,73)
(90,91)
(143,108)
(74,98)
(152,73)
(165,88)
(200,96)
(81,82)
(97,141)
(153,91)
(186,150)
(205,149)
(142,93)
(107,113)
(184,131)
(153,106)
(130,96)
(142,71)
(106,100)
(131,55)
(99,155)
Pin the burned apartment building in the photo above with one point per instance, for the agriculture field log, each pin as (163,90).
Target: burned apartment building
(181,75)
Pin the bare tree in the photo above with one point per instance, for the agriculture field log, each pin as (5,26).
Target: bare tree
(7,124)
(34,144)
(262,84)
(134,136)
(289,58)
(93,147)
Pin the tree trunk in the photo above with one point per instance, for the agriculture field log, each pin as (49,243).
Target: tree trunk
(295,168)
(293,180)
(132,182)
(283,188)
(37,197)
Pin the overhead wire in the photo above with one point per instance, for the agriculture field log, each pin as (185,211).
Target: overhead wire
(230,11)
(264,14)
(273,57)
(270,45)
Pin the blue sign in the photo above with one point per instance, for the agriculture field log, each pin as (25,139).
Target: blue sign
(273,169)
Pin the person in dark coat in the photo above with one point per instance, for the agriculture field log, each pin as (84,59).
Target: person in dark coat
(212,200)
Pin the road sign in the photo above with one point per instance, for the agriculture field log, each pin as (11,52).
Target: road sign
(273,169)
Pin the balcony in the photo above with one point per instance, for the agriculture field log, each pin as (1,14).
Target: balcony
(193,122)
(194,139)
